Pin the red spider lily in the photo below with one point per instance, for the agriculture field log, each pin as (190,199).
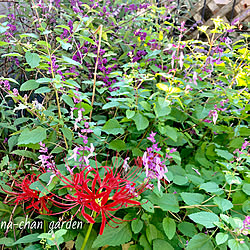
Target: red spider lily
(23,194)
(103,195)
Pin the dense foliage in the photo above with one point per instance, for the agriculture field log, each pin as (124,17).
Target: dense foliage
(117,130)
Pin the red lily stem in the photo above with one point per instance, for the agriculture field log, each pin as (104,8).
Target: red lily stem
(87,234)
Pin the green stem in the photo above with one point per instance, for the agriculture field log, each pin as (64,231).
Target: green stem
(87,236)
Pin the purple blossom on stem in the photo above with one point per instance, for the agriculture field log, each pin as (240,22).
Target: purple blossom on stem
(214,115)
(151,137)
(154,166)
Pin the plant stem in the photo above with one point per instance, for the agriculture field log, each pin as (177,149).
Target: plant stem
(87,236)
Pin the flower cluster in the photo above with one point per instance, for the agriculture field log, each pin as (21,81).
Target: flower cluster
(22,194)
(155,167)
(102,194)
(5,84)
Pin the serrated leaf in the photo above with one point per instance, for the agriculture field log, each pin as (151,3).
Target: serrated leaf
(200,242)
(204,218)
(29,85)
(169,227)
(25,153)
(224,154)
(223,204)
(114,236)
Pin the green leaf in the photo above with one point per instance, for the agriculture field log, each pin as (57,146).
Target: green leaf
(211,187)
(143,242)
(114,236)
(88,39)
(68,100)
(117,145)
(130,113)
(200,242)
(71,61)
(201,158)
(244,131)
(111,105)
(192,198)
(204,218)
(27,239)
(168,202)
(32,59)
(113,127)
(221,238)
(12,142)
(147,205)
(80,239)
(236,245)
(67,133)
(6,241)
(137,225)
(4,161)
(153,233)
(29,85)
(224,154)
(187,228)
(141,121)
(179,179)
(34,247)
(246,188)
(171,133)
(34,136)
(223,204)
(237,142)
(169,227)
(161,244)
(25,153)
(161,107)
(42,90)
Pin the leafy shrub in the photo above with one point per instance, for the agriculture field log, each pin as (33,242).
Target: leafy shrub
(108,118)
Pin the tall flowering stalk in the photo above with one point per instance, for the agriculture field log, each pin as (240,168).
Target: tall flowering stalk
(154,166)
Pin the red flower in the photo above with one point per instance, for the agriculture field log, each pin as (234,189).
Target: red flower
(101,194)
(23,194)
